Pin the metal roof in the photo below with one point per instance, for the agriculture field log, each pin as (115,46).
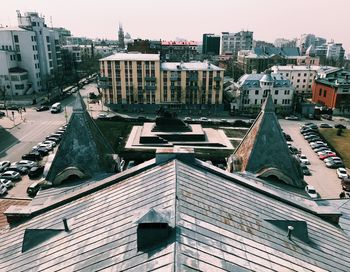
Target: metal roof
(221,224)
(189,66)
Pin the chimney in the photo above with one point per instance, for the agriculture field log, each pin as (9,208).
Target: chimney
(66,228)
(290,230)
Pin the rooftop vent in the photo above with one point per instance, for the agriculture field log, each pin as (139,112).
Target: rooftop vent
(293,228)
(152,229)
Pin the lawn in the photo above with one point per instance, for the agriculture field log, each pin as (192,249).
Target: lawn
(340,143)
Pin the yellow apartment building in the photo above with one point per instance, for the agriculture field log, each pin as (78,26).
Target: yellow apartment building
(143,79)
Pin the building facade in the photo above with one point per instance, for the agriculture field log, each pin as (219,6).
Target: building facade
(179,51)
(143,79)
(262,58)
(301,77)
(253,89)
(234,42)
(211,45)
(18,48)
(332,89)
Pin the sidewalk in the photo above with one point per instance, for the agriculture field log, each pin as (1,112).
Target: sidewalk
(10,122)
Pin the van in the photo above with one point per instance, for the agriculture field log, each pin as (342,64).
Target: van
(33,189)
(56,108)
(345,183)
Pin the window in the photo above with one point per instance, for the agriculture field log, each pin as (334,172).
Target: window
(299,74)
(309,86)
(304,74)
(50,56)
(324,93)
(15,37)
(298,80)
(303,87)
(47,39)
(33,23)
(24,77)
(304,80)
(257,92)
(286,92)
(50,63)
(19,86)
(287,74)
(48,47)
(276,92)
(275,101)
(256,101)
(19,58)
(320,92)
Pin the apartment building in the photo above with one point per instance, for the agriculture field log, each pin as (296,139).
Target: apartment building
(253,89)
(35,49)
(234,42)
(301,76)
(211,44)
(143,79)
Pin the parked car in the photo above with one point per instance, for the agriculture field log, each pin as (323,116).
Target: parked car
(309,125)
(26,163)
(130,164)
(340,126)
(49,142)
(287,137)
(326,116)
(54,139)
(22,170)
(42,151)
(305,169)
(102,116)
(303,159)
(4,165)
(6,182)
(47,146)
(314,139)
(308,130)
(325,125)
(32,156)
(326,154)
(42,108)
(11,175)
(321,149)
(292,117)
(317,144)
(204,119)
(335,164)
(345,184)
(341,173)
(187,119)
(35,171)
(33,189)
(3,189)
(330,159)
(2,114)
(311,191)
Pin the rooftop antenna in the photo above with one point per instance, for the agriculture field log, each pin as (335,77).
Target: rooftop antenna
(51,21)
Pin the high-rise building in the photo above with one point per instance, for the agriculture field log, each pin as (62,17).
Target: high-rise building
(331,50)
(234,42)
(143,79)
(281,42)
(307,40)
(211,44)
(121,37)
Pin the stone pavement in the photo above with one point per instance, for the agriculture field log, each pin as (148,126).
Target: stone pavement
(13,119)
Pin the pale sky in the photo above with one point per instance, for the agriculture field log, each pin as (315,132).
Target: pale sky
(189,19)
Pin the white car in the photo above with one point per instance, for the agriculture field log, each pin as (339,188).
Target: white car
(311,191)
(204,119)
(25,163)
(3,189)
(7,183)
(11,175)
(291,117)
(341,172)
(187,119)
(4,165)
(49,142)
(332,159)
(304,159)
(47,146)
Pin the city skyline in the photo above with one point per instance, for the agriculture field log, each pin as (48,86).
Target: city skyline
(268,21)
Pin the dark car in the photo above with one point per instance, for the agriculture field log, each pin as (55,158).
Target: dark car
(287,137)
(33,189)
(314,139)
(20,169)
(42,151)
(33,156)
(2,114)
(42,108)
(324,125)
(54,139)
(36,171)
(305,169)
(335,164)
(340,126)
(321,148)
(326,116)
(345,183)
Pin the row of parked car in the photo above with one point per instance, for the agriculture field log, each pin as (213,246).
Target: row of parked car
(323,151)
(30,163)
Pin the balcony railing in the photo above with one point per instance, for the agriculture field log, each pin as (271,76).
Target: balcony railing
(217,78)
(152,79)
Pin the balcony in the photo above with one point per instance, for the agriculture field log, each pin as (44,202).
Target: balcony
(193,78)
(152,79)
(217,78)
(173,78)
(150,88)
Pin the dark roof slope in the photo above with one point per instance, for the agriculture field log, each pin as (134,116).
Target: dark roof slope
(264,150)
(83,147)
(220,223)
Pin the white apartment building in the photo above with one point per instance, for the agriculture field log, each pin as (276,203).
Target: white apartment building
(252,90)
(18,49)
(34,47)
(300,76)
(234,42)
(331,50)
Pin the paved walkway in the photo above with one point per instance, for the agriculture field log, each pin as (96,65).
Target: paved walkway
(13,119)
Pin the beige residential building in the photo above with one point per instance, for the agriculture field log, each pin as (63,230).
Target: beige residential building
(142,79)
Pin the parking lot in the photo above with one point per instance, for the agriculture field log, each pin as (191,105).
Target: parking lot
(324,179)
